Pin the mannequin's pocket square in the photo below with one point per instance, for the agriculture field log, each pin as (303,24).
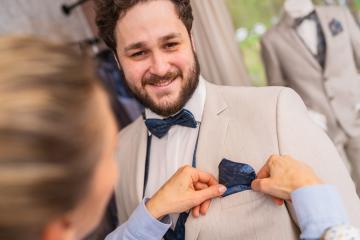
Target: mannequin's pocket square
(237,177)
(335,27)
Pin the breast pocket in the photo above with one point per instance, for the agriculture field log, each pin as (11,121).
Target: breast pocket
(246,215)
(240,198)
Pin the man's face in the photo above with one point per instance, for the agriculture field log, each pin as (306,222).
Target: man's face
(156,54)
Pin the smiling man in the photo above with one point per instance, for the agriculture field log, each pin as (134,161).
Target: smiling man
(189,121)
(159,61)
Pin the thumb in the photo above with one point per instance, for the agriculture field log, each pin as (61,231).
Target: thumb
(262,185)
(210,192)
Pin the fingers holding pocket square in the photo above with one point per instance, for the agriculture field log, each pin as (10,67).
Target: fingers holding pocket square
(281,175)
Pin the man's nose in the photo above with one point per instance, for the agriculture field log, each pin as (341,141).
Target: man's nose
(159,64)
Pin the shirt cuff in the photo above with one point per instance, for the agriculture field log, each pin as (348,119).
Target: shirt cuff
(317,208)
(143,225)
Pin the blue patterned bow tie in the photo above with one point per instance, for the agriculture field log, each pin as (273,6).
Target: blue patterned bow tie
(159,127)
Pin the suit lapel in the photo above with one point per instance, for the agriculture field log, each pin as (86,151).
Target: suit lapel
(212,135)
(131,165)
(138,163)
(324,21)
(212,131)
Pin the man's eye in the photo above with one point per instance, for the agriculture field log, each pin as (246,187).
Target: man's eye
(138,54)
(171,45)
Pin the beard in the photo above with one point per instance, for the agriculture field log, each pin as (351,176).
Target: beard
(169,108)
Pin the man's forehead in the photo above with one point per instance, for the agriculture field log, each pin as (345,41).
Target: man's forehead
(147,36)
(149,23)
(149,11)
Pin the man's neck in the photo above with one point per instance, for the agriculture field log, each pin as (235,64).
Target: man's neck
(298,8)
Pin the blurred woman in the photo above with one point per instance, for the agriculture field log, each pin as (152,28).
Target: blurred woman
(57,137)
(57,141)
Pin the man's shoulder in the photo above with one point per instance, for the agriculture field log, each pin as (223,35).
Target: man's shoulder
(262,100)
(236,93)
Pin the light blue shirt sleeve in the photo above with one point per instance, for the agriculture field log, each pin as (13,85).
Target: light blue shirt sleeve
(317,208)
(141,226)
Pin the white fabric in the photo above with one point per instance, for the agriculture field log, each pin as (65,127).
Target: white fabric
(219,55)
(308,33)
(176,148)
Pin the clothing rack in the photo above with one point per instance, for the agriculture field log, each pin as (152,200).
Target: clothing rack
(68,8)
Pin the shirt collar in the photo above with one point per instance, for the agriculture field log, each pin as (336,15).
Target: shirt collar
(195,104)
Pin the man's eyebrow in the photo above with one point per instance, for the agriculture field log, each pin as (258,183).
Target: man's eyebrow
(138,45)
(170,36)
(134,46)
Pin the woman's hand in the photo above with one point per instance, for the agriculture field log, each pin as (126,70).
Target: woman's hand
(188,188)
(281,175)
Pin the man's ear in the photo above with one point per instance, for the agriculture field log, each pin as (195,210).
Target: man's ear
(59,229)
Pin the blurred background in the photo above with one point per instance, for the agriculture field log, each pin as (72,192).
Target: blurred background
(242,20)
(251,18)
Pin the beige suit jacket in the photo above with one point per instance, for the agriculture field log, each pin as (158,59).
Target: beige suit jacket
(245,125)
(333,91)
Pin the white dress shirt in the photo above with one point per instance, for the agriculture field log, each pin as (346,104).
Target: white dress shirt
(176,148)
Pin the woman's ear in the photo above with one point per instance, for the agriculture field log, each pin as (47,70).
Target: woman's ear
(59,229)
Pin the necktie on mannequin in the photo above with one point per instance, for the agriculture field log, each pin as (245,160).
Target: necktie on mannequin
(321,43)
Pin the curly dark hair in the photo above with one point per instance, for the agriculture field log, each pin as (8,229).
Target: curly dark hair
(109,11)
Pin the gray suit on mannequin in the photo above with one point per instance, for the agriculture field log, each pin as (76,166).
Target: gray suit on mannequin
(328,84)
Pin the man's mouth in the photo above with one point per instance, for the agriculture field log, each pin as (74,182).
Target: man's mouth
(163,83)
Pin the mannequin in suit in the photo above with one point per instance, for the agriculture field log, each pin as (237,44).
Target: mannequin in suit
(315,51)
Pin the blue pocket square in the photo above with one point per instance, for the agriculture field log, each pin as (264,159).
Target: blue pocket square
(335,27)
(237,177)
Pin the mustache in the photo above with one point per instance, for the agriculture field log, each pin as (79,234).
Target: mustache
(154,79)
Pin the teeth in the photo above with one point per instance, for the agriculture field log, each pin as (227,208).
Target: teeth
(163,83)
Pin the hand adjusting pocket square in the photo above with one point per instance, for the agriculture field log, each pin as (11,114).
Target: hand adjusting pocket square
(237,177)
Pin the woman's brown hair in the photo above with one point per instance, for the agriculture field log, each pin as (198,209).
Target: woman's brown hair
(49,133)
